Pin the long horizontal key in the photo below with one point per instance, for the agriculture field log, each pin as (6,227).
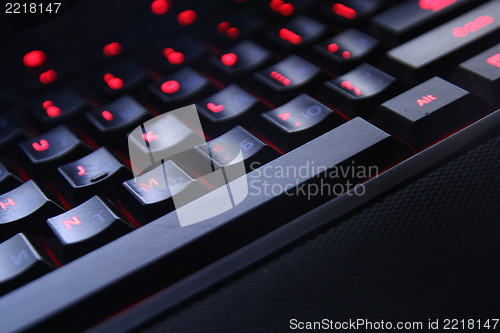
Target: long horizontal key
(481,75)
(85,228)
(297,122)
(24,208)
(97,172)
(174,252)
(428,111)
(413,17)
(21,263)
(456,40)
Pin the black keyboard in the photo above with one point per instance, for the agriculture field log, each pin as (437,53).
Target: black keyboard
(326,102)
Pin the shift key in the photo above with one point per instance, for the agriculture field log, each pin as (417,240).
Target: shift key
(446,45)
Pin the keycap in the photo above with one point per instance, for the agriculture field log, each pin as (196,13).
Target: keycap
(428,111)
(481,75)
(297,122)
(282,9)
(58,146)
(10,135)
(97,172)
(185,84)
(347,12)
(85,228)
(282,81)
(411,18)
(299,32)
(242,58)
(113,120)
(24,209)
(173,54)
(347,49)
(446,45)
(238,26)
(8,181)
(118,79)
(21,263)
(227,108)
(359,91)
(149,195)
(226,149)
(58,105)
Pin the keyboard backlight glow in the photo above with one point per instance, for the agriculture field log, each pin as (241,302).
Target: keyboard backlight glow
(187,17)
(494,60)
(333,47)
(344,11)
(229,59)
(107,115)
(34,58)
(174,57)
(475,25)
(170,87)
(48,76)
(160,7)
(435,5)
(112,49)
(290,36)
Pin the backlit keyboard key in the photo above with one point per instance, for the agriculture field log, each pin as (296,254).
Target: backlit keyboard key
(119,79)
(85,228)
(58,105)
(347,49)
(149,194)
(56,147)
(299,32)
(357,92)
(446,45)
(429,111)
(481,75)
(241,58)
(7,180)
(282,81)
(21,263)
(224,150)
(238,26)
(346,12)
(173,55)
(226,109)
(297,122)
(185,84)
(24,209)
(98,172)
(115,118)
(413,17)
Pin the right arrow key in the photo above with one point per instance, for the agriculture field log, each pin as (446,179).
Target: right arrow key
(428,112)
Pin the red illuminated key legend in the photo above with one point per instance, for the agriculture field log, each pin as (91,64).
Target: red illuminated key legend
(494,60)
